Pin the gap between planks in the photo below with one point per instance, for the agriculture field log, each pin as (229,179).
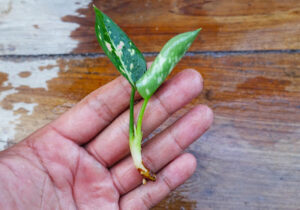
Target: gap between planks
(151,54)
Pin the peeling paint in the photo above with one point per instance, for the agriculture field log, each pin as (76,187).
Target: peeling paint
(37,78)
(5,93)
(27,106)
(48,38)
(8,123)
(40,72)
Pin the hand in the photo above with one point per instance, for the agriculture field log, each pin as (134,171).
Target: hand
(82,161)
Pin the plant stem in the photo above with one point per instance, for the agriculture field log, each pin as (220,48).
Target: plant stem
(131,119)
(141,115)
(135,140)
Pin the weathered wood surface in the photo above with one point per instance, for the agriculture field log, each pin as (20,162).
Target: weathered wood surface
(249,159)
(61,27)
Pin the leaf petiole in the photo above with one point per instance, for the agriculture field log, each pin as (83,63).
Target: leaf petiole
(135,144)
(141,115)
(131,118)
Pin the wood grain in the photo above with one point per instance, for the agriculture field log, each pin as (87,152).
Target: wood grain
(50,27)
(247,52)
(249,159)
(234,26)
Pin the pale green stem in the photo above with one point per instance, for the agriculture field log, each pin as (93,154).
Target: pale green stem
(131,119)
(136,142)
(141,115)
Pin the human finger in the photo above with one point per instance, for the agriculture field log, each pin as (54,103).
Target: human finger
(111,145)
(94,112)
(164,147)
(146,196)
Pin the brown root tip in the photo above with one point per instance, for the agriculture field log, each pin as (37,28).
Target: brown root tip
(147,175)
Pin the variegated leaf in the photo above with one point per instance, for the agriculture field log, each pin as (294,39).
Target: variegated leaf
(119,48)
(163,64)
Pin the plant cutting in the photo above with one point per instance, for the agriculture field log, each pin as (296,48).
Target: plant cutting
(131,63)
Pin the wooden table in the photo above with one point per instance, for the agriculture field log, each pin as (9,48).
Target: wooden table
(248,53)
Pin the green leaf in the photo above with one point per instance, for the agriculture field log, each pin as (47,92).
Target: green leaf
(163,64)
(129,61)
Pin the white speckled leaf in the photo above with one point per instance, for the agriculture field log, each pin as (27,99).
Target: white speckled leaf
(163,64)
(129,61)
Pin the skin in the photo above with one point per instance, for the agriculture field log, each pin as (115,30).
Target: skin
(81,160)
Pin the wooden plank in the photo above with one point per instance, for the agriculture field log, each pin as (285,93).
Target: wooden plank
(249,159)
(35,91)
(53,27)
(36,27)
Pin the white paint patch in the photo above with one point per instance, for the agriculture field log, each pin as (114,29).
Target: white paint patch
(8,123)
(5,93)
(27,106)
(52,36)
(37,79)
(120,45)
(10,120)
(108,46)
(131,66)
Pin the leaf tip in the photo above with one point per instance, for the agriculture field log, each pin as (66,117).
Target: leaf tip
(95,8)
(196,32)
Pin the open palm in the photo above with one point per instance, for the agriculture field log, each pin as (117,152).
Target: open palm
(81,160)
